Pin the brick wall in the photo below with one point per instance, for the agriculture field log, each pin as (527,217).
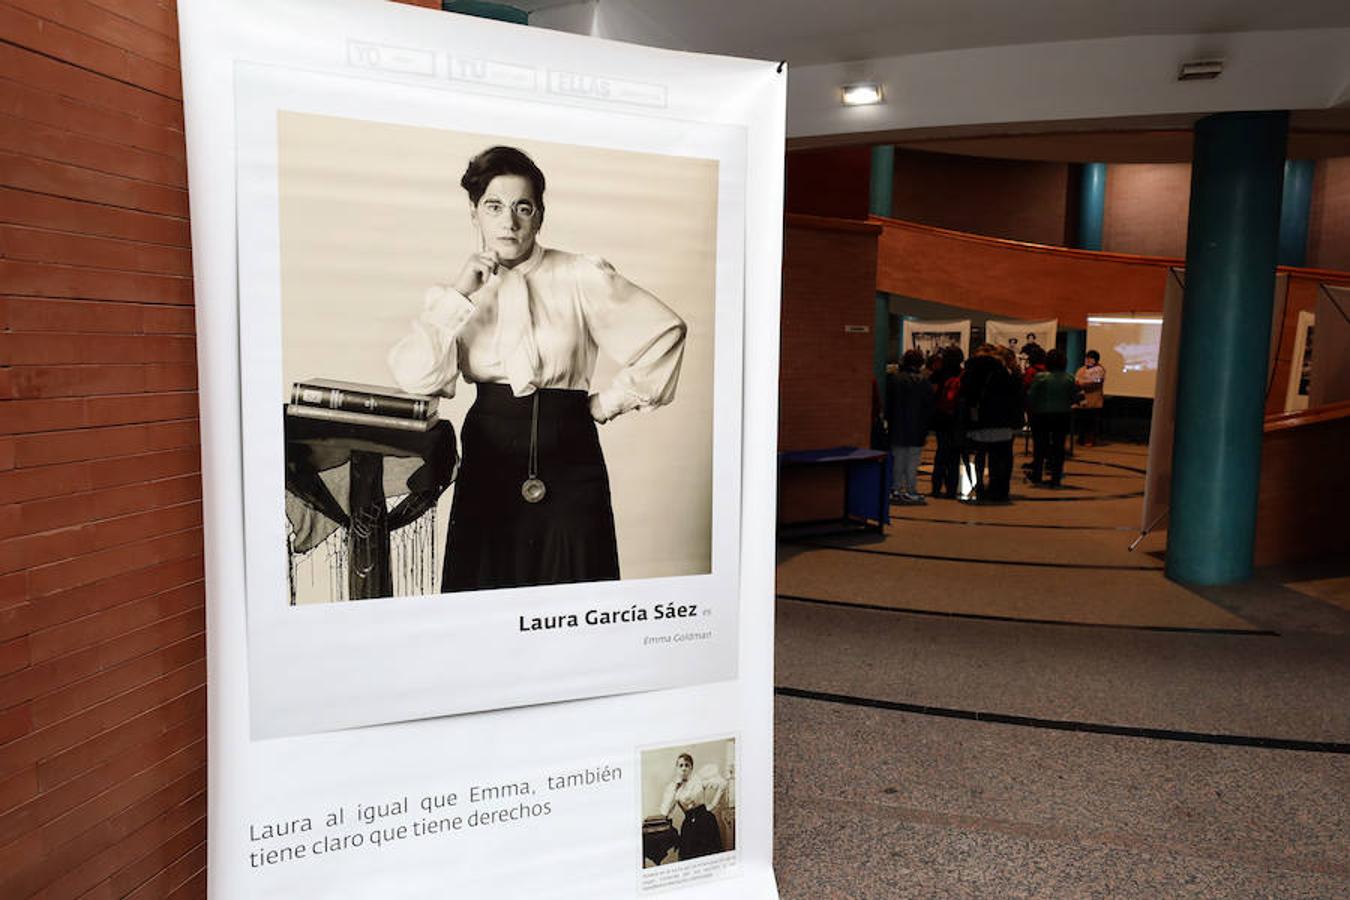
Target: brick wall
(1329,218)
(1146,208)
(102,668)
(1004,198)
(825,374)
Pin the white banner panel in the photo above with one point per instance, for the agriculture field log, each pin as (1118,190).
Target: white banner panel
(489,525)
(929,336)
(1016,335)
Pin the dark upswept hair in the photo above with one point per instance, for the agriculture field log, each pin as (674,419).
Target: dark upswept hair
(685,756)
(501,160)
(1094,354)
(1056,360)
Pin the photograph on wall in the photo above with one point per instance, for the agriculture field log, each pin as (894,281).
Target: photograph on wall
(1018,336)
(688,810)
(929,337)
(479,376)
(1301,364)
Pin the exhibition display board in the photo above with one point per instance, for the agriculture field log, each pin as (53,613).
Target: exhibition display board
(929,336)
(1016,335)
(489,522)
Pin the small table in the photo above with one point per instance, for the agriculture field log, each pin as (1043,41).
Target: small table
(867,480)
(318,445)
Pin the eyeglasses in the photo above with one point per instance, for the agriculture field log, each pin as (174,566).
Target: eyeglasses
(525,209)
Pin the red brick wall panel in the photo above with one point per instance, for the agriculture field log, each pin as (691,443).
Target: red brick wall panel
(68,145)
(825,374)
(136,104)
(89,218)
(47,177)
(162,869)
(1146,208)
(1329,217)
(1002,198)
(102,632)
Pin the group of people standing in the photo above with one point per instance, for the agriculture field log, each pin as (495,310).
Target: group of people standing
(975,406)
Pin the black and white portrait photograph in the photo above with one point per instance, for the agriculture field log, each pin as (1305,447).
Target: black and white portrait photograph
(503,379)
(932,337)
(1023,338)
(490,391)
(688,802)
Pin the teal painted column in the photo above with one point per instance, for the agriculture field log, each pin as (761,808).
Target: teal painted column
(485,10)
(1231,244)
(1294,210)
(1075,345)
(1092,206)
(880,193)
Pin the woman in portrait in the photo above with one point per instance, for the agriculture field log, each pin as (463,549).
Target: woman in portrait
(697,797)
(525,324)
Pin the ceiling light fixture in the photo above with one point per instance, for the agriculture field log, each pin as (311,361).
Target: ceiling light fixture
(1200,70)
(864,93)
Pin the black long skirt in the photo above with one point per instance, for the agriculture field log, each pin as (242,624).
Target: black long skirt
(498,539)
(699,834)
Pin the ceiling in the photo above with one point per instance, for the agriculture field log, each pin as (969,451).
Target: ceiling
(1063,80)
(809,32)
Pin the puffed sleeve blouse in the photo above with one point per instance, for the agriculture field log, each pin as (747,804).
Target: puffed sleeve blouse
(577,305)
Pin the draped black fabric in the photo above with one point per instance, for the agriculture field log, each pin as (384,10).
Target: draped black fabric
(319,445)
(699,834)
(498,539)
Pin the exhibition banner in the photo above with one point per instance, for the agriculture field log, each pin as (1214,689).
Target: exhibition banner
(1016,335)
(488,521)
(930,336)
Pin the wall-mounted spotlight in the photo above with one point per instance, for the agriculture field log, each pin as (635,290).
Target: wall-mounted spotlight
(1200,70)
(864,93)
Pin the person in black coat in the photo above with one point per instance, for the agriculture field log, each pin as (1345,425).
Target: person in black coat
(909,411)
(991,397)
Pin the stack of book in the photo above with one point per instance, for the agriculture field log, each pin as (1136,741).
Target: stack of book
(361,404)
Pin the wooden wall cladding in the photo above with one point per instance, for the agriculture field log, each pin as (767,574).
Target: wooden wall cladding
(1305,486)
(1015,279)
(102,644)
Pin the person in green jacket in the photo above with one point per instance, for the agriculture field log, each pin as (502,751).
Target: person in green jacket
(1049,399)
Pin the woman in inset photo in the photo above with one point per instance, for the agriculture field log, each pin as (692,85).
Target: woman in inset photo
(525,324)
(697,797)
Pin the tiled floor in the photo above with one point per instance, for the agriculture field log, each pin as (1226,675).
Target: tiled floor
(1157,743)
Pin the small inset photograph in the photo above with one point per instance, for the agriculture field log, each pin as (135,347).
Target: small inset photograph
(688,802)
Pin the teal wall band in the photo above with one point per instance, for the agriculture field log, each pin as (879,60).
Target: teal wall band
(1231,244)
(1092,206)
(880,195)
(485,10)
(1294,211)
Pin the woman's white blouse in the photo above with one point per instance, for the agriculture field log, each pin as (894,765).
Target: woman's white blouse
(696,791)
(571,307)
